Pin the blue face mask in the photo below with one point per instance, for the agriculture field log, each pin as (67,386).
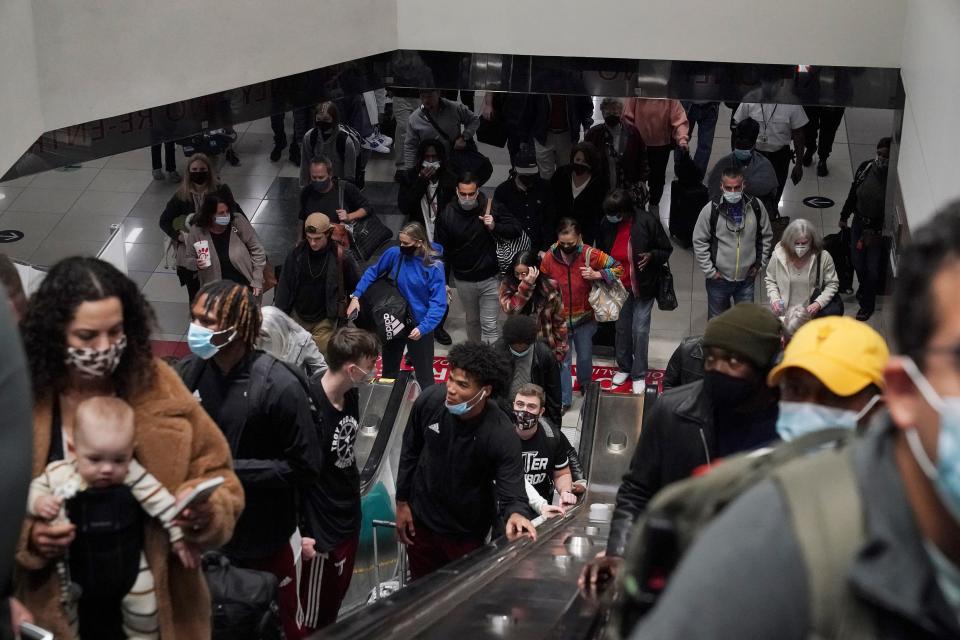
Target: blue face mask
(743,155)
(800,418)
(465,407)
(200,341)
(945,474)
(222,220)
(520,354)
(614,219)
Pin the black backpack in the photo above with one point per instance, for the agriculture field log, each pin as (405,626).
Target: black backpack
(244,601)
(360,170)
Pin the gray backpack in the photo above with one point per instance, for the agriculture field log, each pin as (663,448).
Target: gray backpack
(823,498)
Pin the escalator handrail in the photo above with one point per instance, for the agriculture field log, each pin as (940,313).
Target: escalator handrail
(384,430)
(456,581)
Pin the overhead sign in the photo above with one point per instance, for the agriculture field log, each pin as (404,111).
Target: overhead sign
(10,235)
(818,202)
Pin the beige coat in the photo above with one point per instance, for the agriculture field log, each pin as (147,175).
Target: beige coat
(778,279)
(181,446)
(248,255)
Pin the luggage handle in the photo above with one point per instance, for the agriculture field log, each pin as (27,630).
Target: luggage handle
(401,569)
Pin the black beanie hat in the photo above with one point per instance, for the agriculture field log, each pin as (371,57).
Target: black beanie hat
(748,330)
(520,329)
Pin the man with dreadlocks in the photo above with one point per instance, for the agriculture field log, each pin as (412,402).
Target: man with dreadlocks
(266,415)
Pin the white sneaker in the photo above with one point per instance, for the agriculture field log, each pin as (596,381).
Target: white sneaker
(619,378)
(639,387)
(371,143)
(381,138)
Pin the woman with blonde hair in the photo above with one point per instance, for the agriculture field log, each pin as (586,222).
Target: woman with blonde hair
(199,181)
(416,268)
(799,268)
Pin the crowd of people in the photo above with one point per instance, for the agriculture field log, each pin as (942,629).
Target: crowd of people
(267,403)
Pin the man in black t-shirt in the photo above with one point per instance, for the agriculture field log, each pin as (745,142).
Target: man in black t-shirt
(459,465)
(546,451)
(331,506)
(339,199)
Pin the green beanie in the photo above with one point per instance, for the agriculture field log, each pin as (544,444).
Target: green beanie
(749,330)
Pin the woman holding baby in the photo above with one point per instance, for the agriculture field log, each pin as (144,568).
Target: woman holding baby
(86,334)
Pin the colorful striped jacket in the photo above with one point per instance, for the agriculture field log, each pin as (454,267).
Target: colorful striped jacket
(551,324)
(574,289)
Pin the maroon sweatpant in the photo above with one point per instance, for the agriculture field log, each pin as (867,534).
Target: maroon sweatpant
(430,550)
(323,584)
(281,564)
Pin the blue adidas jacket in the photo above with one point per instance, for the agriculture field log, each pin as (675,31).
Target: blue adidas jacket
(425,288)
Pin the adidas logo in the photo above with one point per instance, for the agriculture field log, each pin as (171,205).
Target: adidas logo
(435,427)
(392,326)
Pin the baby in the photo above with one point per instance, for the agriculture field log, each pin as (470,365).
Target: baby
(103,441)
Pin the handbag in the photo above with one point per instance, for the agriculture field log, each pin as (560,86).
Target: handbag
(367,234)
(466,160)
(606,299)
(508,248)
(244,601)
(383,309)
(666,294)
(832,308)
(492,132)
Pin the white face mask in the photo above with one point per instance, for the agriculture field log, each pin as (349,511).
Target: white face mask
(801,249)
(733,197)
(945,473)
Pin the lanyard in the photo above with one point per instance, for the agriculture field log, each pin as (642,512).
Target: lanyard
(764,116)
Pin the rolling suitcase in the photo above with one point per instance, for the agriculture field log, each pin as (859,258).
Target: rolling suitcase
(688,196)
(686,201)
(838,246)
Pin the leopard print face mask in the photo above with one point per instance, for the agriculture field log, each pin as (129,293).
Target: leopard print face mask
(96,363)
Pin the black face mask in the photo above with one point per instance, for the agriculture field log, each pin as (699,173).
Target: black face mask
(526,180)
(325,126)
(568,250)
(727,392)
(581,169)
(611,121)
(199,177)
(408,250)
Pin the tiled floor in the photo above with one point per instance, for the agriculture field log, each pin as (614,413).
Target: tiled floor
(67,212)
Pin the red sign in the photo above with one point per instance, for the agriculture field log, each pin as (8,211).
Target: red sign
(603,375)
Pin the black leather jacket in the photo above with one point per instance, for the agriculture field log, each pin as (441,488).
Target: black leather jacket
(686,363)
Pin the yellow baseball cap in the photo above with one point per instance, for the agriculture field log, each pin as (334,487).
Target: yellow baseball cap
(844,354)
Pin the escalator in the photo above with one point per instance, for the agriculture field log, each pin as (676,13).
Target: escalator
(384,408)
(520,589)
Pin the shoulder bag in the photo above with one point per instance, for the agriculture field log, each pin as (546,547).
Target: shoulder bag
(606,299)
(832,308)
(666,294)
(367,234)
(383,309)
(508,248)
